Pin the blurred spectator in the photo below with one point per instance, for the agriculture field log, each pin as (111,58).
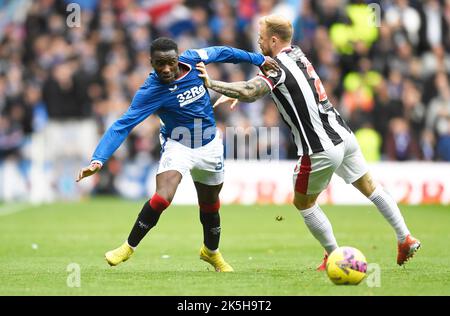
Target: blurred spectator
(436,60)
(390,82)
(435,26)
(11,138)
(443,145)
(400,143)
(305,26)
(60,94)
(439,108)
(370,142)
(358,97)
(413,109)
(427,145)
(404,18)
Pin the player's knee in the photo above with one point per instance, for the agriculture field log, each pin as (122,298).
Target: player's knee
(159,203)
(210,207)
(166,193)
(365,185)
(303,204)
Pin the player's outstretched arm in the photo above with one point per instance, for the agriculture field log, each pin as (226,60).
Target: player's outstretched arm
(226,54)
(93,168)
(142,106)
(246,91)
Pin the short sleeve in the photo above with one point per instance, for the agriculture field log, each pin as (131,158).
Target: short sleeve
(273,78)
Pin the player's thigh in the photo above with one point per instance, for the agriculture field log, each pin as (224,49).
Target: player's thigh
(175,156)
(207,177)
(313,173)
(208,166)
(167,183)
(353,166)
(175,162)
(207,194)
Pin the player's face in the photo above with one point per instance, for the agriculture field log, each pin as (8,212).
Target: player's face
(166,65)
(264,40)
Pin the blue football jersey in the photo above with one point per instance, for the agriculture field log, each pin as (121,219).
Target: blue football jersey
(184,105)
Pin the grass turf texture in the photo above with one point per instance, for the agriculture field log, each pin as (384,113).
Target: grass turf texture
(270,256)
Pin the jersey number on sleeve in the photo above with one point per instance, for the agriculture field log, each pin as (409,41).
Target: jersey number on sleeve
(320,90)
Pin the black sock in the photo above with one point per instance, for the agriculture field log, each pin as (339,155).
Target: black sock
(147,218)
(211,229)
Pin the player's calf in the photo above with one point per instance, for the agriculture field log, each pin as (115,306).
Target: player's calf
(210,219)
(147,218)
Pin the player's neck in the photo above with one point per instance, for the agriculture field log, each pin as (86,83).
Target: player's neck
(281,48)
(182,70)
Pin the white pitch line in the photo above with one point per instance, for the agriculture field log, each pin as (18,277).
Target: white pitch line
(9,209)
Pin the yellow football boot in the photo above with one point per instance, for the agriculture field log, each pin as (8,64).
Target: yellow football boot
(215,259)
(118,255)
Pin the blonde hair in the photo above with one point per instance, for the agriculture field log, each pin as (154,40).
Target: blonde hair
(278,26)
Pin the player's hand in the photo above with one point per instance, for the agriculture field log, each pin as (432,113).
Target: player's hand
(203,74)
(93,168)
(224,101)
(269,64)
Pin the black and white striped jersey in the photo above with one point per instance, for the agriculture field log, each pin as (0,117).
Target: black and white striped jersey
(303,103)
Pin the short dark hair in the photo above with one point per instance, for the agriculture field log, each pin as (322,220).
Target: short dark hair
(163,44)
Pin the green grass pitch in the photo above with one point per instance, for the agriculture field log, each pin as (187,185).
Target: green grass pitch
(270,257)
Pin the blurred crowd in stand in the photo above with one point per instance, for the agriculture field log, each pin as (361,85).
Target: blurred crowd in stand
(385,67)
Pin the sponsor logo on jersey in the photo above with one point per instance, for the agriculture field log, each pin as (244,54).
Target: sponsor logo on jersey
(191,95)
(174,88)
(272,73)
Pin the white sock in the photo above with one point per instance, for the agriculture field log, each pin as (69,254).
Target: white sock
(134,248)
(212,251)
(388,207)
(319,225)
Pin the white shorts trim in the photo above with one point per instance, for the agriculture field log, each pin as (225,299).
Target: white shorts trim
(312,176)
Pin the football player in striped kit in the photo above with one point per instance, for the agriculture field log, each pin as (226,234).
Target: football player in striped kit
(325,143)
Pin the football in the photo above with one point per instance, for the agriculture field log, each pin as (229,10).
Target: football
(346,265)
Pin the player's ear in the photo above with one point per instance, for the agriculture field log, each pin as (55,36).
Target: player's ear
(152,62)
(273,40)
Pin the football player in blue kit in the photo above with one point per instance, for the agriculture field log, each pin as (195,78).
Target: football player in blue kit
(189,140)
